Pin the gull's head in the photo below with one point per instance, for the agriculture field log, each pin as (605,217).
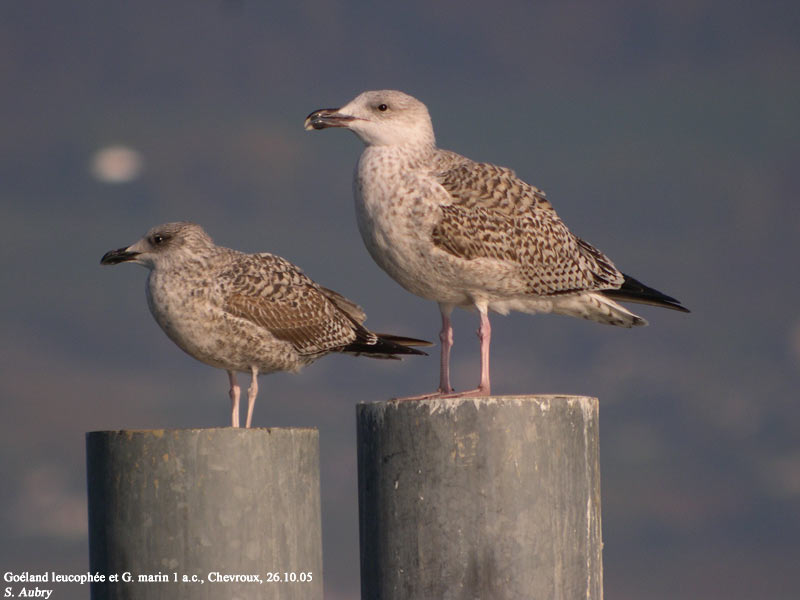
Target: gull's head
(379,118)
(162,245)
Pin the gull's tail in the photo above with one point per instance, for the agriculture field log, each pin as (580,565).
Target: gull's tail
(633,290)
(384,345)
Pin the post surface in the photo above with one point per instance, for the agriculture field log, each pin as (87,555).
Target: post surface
(480,498)
(202,502)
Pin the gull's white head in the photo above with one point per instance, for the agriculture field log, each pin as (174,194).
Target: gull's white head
(163,245)
(379,118)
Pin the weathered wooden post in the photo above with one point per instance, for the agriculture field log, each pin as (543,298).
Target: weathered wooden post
(202,513)
(480,498)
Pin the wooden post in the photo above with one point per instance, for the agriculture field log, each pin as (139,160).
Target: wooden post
(479,498)
(196,513)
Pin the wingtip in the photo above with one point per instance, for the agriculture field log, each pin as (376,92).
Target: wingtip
(633,290)
(388,346)
(404,341)
(404,345)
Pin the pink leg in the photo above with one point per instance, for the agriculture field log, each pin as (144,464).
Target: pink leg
(485,336)
(446,337)
(234,394)
(252,392)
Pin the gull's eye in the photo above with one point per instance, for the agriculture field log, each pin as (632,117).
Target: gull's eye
(157,239)
(383,107)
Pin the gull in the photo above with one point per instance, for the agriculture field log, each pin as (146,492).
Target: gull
(251,313)
(470,234)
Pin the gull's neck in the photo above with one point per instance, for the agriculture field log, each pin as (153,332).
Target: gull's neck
(407,155)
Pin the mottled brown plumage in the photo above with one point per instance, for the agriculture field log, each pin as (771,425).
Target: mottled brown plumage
(255,313)
(470,234)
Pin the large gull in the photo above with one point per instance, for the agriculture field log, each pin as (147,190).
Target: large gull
(254,313)
(470,234)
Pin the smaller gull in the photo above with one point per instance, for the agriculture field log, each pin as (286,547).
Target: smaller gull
(470,234)
(254,313)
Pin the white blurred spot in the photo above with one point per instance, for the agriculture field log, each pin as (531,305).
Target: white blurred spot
(116,164)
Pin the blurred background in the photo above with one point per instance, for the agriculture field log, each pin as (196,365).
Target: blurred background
(666,134)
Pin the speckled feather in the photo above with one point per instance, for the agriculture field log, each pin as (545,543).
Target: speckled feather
(494,214)
(470,234)
(465,233)
(276,295)
(238,311)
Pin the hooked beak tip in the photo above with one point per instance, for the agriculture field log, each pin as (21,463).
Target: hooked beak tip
(326,117)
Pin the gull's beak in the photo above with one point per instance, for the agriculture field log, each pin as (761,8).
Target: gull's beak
(326,117)
(114,257)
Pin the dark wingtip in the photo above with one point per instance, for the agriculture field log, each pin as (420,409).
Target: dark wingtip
(388,346)
(633,290)
(404,341)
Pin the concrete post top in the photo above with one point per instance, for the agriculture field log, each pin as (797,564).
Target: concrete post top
(437,405)
(209,431)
